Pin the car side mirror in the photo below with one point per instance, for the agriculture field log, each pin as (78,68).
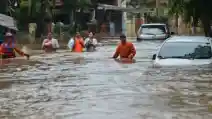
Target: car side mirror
(154,57)
(172,33)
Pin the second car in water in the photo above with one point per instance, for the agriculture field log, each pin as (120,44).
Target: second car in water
(153,32)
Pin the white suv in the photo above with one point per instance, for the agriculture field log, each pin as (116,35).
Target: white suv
(153,32)
(184,50)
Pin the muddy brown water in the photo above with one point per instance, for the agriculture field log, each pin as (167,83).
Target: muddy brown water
(66,85)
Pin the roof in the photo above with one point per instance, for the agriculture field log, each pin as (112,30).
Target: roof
(188,39)
(153,24)
(123,9)
(111,7)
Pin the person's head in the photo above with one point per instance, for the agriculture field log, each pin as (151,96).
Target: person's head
(123,39)
(91,34)
(49,36)
(77,35)
(8,37)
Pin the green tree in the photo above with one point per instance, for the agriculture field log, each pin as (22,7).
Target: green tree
(176,8)
(3,10)
(40,11)
(75,10)
(200,10)
(195,9)
(72,7)
(3,6)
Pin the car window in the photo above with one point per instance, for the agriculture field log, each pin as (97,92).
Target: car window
(153,29)
(186,50)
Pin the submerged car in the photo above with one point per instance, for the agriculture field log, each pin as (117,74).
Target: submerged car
(184,50)
(153,32)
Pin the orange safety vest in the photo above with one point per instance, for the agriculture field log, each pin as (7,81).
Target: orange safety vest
(78,45)
(7,50)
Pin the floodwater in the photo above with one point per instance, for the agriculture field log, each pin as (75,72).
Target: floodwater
(93,86)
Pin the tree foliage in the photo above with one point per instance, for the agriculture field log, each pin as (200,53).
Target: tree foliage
(70,5)
(176,7)
(195,9)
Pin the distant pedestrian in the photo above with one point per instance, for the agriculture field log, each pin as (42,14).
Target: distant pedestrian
(50,44)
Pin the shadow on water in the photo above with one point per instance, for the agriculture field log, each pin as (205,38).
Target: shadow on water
(68,85)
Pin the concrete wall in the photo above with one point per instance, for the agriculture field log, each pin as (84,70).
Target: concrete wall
(130,26)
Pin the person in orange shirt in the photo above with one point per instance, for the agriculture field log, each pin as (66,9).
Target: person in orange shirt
(125,50)
(78,43)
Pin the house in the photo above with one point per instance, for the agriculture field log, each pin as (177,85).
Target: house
(101,13)
(114,11)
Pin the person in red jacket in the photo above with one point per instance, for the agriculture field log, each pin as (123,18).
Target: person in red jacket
(8,48)
(125,50)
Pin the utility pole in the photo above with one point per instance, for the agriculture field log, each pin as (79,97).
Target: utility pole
(157,4)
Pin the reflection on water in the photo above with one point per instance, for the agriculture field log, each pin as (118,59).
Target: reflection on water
(92,86)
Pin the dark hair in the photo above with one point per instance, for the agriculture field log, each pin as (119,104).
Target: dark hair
(92,32)
(123,36)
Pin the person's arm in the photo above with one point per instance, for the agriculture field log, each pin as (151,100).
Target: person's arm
(44,41)
(86,41)
(82,42)
(133,52)
(95,42)
(21,53)
(116,54)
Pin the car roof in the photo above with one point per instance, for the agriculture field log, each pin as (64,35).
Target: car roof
(202,39)
(153,24)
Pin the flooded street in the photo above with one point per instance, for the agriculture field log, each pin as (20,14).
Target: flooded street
(93,86)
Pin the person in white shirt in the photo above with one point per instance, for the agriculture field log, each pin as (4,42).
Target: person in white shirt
(50,44)
(90,42)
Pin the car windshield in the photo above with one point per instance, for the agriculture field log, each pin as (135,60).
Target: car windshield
(153,29)
(185,50)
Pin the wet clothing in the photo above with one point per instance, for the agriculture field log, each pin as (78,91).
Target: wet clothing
(76,45)
(90,43)
(50,45)
(8,51)
(126,50)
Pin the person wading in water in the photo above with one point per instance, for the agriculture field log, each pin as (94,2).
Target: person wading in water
(90,42)
(125,50)
(50,44)
(8,48)
(76,44)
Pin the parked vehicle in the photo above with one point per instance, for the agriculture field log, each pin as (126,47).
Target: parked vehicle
(153,32)
(184,50)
